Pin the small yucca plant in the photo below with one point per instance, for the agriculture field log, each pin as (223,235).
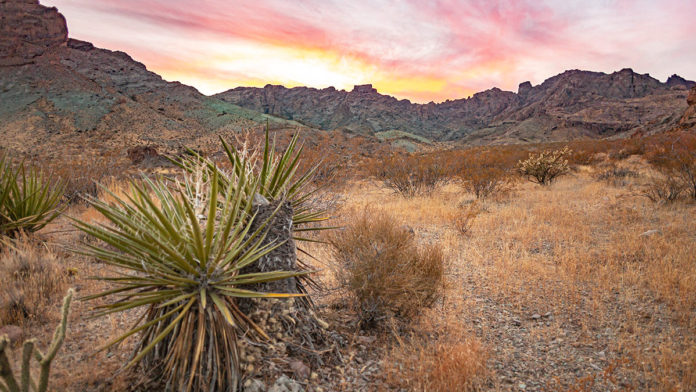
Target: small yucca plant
(180,249)
(29,199)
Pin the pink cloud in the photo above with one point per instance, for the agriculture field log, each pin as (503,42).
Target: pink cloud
(461,45)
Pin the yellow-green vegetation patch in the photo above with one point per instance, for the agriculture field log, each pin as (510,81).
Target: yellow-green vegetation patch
(396,134)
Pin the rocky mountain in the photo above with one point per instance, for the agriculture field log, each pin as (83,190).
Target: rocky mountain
(570,105)
(57,91)
(688,120)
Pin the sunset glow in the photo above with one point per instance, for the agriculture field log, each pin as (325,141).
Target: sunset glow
(423,51)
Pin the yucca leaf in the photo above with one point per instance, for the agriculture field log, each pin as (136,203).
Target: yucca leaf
(163,334)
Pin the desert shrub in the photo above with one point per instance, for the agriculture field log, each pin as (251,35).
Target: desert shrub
(587,152)
(451,363)
(29,199)
(485,182)
(623,149)
(676,159)
(411,175)
(464,217)
(82,177)
(544,167)
(615,175)
(663,188)
(382,267)
(485,172)
(32,277)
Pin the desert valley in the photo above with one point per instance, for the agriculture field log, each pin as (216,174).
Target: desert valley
(286,239)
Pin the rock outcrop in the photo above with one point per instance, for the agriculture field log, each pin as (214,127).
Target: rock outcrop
(688,120)
(28,29)
(572,104)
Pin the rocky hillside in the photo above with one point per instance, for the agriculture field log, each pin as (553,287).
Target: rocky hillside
(56,90)
(688,120)
(572,104)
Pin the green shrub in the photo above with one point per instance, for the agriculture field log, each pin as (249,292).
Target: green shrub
(545,167)
(29,199)
(388,274)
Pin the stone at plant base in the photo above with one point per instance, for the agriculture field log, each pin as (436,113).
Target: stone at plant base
(286,384)
(254,385)
(13,332)
(300,369)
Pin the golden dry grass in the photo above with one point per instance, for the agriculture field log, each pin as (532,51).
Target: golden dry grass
(577,250)
(621,303)
(31,277)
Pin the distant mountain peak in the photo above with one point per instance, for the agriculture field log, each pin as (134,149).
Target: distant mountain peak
(571,104)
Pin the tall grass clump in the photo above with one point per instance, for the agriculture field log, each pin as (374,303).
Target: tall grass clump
(383,268)
(181,246)
(544,167)
(31,279)
(29,199)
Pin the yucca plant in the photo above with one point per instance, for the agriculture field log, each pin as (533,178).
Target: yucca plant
(29,199)
(180,248)
(278,178)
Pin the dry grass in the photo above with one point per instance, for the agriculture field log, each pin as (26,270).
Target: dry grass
(574,249)
(32,280)
(615,270)
(454,362)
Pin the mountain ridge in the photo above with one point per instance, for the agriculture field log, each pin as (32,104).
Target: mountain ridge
(563,97)
(57,90)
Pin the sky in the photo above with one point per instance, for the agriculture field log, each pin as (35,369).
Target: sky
(419,50)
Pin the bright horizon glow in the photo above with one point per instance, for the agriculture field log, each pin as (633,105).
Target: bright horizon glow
(422,51)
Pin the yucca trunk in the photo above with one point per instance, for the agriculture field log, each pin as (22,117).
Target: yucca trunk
(208,362)
(277,218)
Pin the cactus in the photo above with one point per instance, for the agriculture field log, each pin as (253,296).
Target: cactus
(8,382)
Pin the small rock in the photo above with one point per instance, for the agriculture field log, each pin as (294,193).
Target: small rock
(366,340)
(301,370)
(13,332)
(516,322)
(522,386)
(254,385)
(547,314)
(536,316)
(286,384)
(651,232)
